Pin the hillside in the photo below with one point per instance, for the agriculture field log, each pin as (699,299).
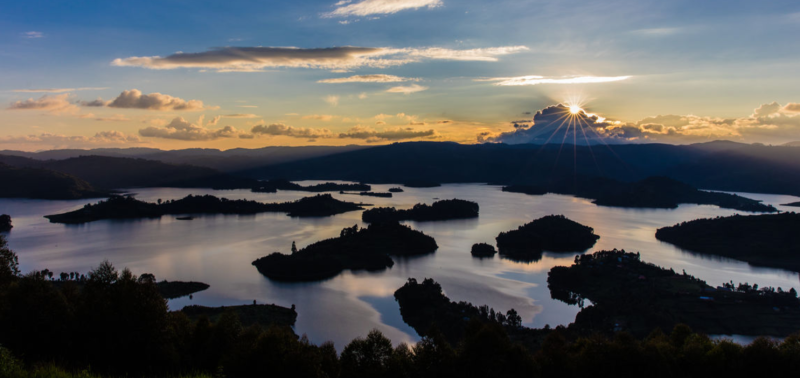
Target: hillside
(43,184)
(724,166)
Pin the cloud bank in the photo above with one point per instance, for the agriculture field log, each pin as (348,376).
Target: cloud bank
(48,140)
(408,89)
(371,135)
(771,123)
(279,129)
(255,59)
(181,129)
(346,8)
(376,78)
(51,103)
(536,80)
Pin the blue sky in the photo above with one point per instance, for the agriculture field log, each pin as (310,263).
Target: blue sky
(704,66)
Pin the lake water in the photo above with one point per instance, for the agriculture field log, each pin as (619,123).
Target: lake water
(219,249)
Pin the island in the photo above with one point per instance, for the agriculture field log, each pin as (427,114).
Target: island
(272,186)
(793,204)
(482,250)
(770,240)
(630,295)
(368,249)
(5,223)
(396,190)
(652,192)
(127,207)
(369,194)
(265,315)
(440,210)
(178,289)
(554,233)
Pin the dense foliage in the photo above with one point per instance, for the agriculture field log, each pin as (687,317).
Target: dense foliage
(126,207)
(368,248)
(5,223)
(439,210)
(628,294)
(43,184)
(769,240)
(553,233)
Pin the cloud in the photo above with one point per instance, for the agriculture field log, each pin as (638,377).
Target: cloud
(94,103)
(134,99)
(53,141)
(339,59)
(408,89)
(792,107)
(33,34)
(375,78)
(239,115)
(279,129)
(58,90)
(319,117)
(332,100)
(372,7)
(362,96)
(536,80)
(371,135)
(113,118)
(484,54)
(51,103)
(769,123)
(247,106)
(180,129)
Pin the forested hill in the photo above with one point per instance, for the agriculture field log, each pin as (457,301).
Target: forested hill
(112,173)
(725,166)
(42,184)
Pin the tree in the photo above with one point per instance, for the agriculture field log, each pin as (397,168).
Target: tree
(9,263)
(105,273)
(64,276)
(5,223)
(294,247)
(369,357)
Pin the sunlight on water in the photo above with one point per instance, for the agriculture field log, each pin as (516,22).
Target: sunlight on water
(219,249)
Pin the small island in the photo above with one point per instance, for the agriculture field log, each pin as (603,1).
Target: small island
(179,289)
(265,315)
(554,233)
(793,204)
(770,240)
(5,223)
(127,207)
(630,295)
(396,190)
(368,249)
(652,192)
(440,210)
(369,194)
(482,250)
(272,186)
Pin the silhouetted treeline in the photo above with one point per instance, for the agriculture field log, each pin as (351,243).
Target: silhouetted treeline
(771,240)
(631,295)
(439,210)
(118,326)
(723,166)
(655,192)
(553,233)
(43,184)
(127,207)
(368,248)
(272,186)
(5,223)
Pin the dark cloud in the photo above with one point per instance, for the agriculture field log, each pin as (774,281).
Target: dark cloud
(555,124)
(371,135)
(135,99)
(181,129)
(279,129)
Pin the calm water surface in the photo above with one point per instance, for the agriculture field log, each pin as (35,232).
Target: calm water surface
(219,249)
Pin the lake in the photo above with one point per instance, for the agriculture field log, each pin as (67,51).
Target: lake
(219,250)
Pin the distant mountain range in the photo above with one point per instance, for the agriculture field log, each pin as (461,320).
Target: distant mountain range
(726,166)
(227,161)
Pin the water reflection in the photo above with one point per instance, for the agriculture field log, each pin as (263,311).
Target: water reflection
(219,249)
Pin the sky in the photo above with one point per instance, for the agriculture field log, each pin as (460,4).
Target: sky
(211,74)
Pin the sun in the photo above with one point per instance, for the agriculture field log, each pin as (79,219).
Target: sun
(575,109)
